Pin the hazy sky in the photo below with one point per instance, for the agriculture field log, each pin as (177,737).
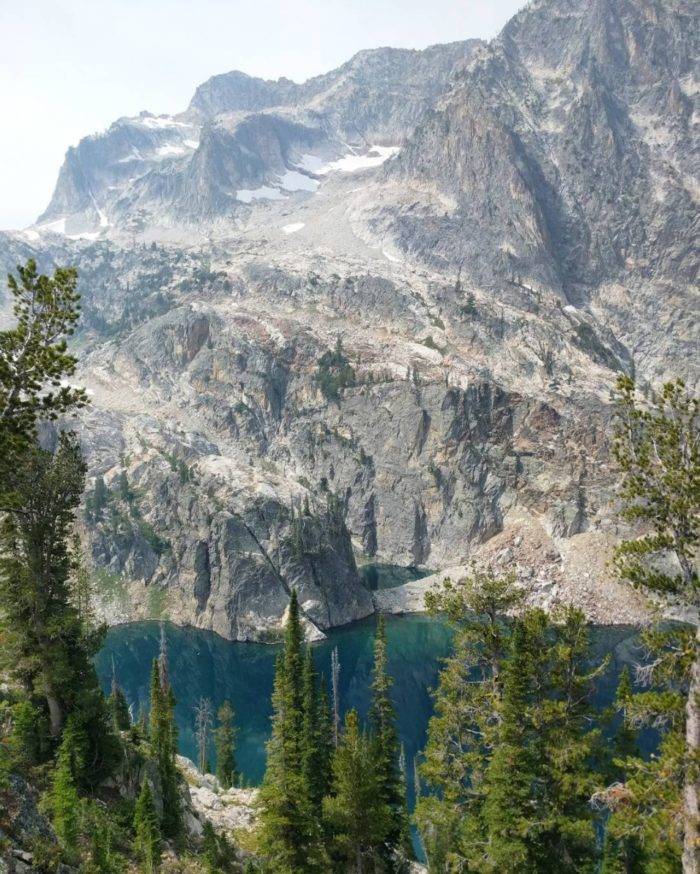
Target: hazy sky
(69,68)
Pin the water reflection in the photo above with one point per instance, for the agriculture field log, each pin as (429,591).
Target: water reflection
(204,664)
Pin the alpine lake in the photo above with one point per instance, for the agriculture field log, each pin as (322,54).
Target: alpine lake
(202,664)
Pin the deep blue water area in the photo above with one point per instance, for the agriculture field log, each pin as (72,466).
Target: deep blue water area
(203,664)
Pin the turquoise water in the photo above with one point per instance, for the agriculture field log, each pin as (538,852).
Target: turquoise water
(204,664)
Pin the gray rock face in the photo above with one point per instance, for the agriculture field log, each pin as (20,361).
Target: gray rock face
(566,148)
(367,95)
(241,135)
(305,355)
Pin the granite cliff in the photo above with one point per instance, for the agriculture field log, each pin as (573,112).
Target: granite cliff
(375,317)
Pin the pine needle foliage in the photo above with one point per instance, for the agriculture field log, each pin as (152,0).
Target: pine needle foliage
(147,842)
(512,758)
(225,743)
(34,361)
(392,789)
(163,741)
(290,835)
(358,817)
(657,449)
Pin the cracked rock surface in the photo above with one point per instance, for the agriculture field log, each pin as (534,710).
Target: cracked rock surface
(376,318)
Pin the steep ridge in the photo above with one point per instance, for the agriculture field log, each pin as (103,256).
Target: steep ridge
(243,138)
(376,317)
(567,148)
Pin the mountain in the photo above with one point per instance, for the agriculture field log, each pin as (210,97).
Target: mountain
(374,318)
(568,151)
(244,139)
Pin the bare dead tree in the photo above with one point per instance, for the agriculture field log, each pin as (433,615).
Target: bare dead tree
(204,717)
(335,676)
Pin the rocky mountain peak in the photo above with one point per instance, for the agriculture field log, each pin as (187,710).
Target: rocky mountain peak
(375,317)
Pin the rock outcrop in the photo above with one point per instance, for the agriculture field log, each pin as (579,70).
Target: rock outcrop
(376,317)
(230,811)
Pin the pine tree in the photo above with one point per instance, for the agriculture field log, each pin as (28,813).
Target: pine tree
(357,815)
(290,835)
(510,773)
(118,705)
(217,853)
(570,752)
(48,646)
(326,741)
(317,740)
(335,690)
(64,794)
(225,742)
(147,842)
(658,452)
(102,858)
(511,750)
(163,740)
(386,745)
(467,704)
(210,849)
(163,664)
(542,772)
(622,854)
(33,357)
(156,718)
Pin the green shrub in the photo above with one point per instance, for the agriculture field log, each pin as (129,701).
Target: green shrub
(334,373)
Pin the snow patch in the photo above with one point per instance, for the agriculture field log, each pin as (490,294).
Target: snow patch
(170,150)
(352,163)
(293,228)
(160,122)
(292,180)
(57,227)
(312,164)
(349,163)
(388,255)
(191,144)
(246,195)
(86,235)
(134,155)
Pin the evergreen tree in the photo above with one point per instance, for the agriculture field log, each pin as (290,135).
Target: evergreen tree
(511,757)
(358,816)
(96,500)
(30,741)
(570,752)
(118,705)
(511,770)
(467,703)
(147,842)
(225,742)
(47,645)
(657,449)
(34,363)
(326,741)
(163,740)
(156,717)
(316,736)
(622,854)
(102,858)
(64,794)
(392,790)
(335,690)
(217,853)
(120,710)
(290,834)
(203,721)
